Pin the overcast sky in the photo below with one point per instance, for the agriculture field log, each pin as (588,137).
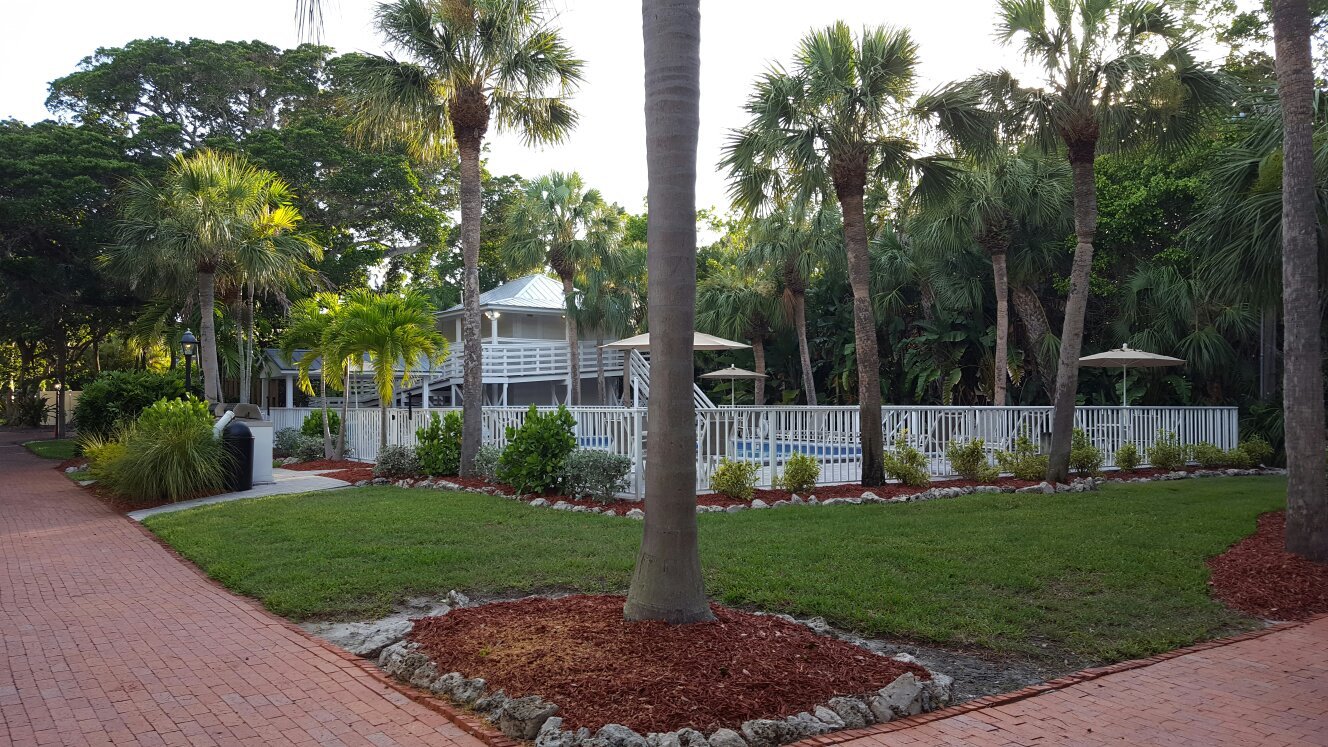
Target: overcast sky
(40,41)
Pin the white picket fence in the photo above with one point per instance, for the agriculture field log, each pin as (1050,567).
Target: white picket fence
(768,435)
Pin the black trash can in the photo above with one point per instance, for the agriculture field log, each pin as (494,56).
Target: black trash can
(238,442)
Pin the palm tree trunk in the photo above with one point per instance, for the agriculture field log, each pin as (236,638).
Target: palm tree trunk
(327,427)
(599,377)
(573,346)
(1072,331)
(1002,365)
(666,583)
(207,336)
(1033,318)
(758,354)
(345,413)
(472,383)
(382,422)
(1302,364)
(804,351)
(864,333)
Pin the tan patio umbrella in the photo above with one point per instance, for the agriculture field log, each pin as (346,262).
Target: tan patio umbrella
(733,373)
(1125,357)
(700,341)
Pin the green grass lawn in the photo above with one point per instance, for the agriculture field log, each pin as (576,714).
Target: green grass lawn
(55,448)
(1096,576)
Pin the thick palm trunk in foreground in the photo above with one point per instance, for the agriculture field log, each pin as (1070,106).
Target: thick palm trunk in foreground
(667,584)
(758,356)
(1302,375)
(472,399)
(1072,332)
(207,336)
(864,334)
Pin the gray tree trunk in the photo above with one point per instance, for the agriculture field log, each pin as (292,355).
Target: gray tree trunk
(328,451)
(573,347)
(472,383)
(1268,352)
(345,413)
(864,333)
(666,583)
(600,381)
(1072,331)
(207,336)
(1302,363)
(804,352)
(1033,318)
(1001,372)
(758,355)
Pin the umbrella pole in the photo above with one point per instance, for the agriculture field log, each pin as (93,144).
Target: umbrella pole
(1124,388)
(733,392)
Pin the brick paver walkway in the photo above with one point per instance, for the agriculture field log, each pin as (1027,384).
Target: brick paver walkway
(107,638)
(1268,691)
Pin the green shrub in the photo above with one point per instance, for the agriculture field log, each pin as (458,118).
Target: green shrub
(533,459)
(116,398)
(1127,457)
(1258,449)
(396,462)
(291,442)
(734,479)
(969,460)
(169,454)
(310,449)
(104,455)
(1023,460)
(1238,458)
(1209,456)
(1166,452)
(486,461)
(27,410)
(906,464)
(594,474)
(1085,458)
(801,471)
(313,424)
(438,445)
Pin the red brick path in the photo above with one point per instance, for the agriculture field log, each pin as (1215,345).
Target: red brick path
(1264,690)
(107,638)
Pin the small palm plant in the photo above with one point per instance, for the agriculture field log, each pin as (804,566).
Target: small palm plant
(389,328)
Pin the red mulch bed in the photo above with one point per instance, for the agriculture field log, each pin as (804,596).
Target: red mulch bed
(328,464)
(854,490)
(578,652)
(1259,577)
(78,461)
(352,474)
(479,483)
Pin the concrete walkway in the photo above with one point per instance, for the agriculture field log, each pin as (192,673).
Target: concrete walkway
(1268,690)
(285,481)
(106,637)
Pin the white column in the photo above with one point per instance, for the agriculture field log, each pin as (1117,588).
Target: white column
(493,327)
(290,392)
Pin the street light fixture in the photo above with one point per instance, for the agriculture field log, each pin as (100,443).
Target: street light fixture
(59,409)
(188,346)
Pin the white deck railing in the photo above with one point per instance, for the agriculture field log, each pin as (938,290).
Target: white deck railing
(768,435)
(515,360)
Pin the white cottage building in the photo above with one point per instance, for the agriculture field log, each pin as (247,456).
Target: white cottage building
(526,357)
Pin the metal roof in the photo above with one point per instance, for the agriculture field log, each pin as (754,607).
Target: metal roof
(529,293)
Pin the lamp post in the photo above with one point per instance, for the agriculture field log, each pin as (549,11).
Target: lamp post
(59,409)
(189,347)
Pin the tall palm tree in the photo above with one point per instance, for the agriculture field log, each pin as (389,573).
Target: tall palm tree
(180,236)
(820,131)
(311,326)
(986,204)
(797,244)
(468,64)
(735,301)
(274,261)
(560,223)
(1117,74)
(667,583)
(1302,387)
(388,328)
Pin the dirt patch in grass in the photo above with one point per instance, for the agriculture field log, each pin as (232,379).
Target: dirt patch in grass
(578,652)
(1259,577)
